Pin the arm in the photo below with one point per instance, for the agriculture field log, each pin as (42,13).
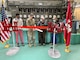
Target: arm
(45,23)
(34,23)
(21,22)
(27,22)
(13,22)
(38,23)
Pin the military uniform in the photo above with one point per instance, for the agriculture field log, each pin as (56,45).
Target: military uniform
(31,33)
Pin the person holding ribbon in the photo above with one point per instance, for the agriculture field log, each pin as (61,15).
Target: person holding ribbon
(18,22)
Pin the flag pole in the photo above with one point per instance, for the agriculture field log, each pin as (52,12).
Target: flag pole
(68,26)
(7,43)
(13,39)
(54,41)
(14,49)
(54,53)
(67,49)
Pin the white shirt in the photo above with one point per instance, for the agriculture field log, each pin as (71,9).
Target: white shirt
(19,21)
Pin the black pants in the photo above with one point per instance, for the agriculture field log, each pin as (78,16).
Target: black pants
(42,37)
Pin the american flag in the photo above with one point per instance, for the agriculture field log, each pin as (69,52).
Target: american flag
(4,35)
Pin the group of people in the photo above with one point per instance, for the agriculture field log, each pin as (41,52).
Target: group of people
(31,34)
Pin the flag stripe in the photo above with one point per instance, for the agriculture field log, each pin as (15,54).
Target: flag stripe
(2,38)
(2,28)
(4,34)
